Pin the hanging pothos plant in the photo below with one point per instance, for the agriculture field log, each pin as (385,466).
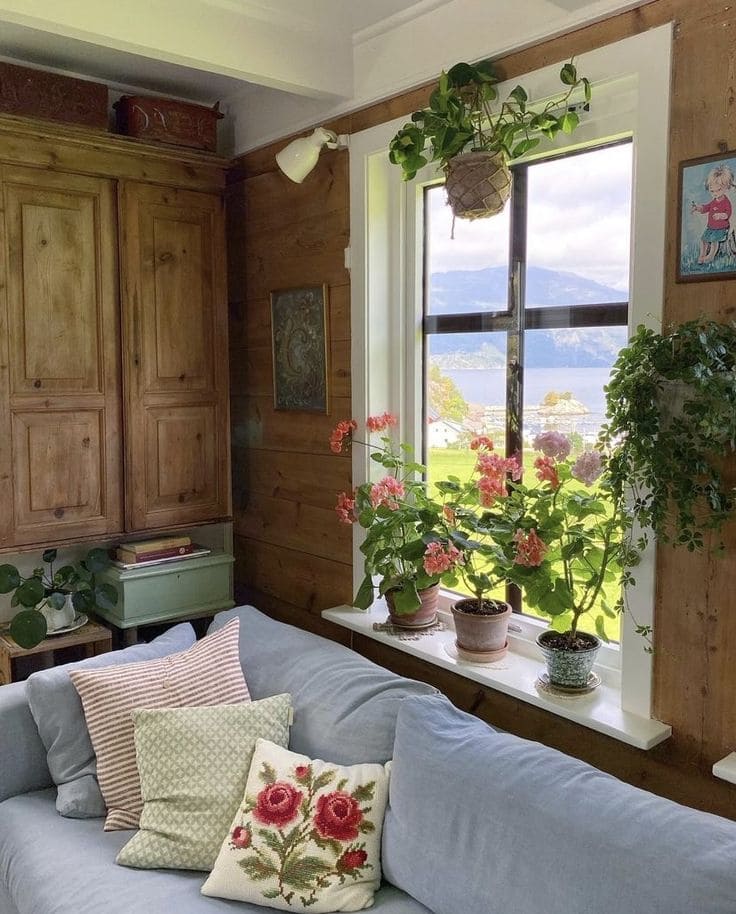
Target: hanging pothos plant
(671,405)
(473,141)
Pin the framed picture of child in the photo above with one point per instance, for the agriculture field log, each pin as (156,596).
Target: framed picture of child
(707,217)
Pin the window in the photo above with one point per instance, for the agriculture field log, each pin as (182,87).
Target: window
(524,313)
(387,272)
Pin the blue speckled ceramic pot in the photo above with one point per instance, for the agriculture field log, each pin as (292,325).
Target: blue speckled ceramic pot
(569,669)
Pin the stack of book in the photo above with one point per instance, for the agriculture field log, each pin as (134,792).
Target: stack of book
(150,552)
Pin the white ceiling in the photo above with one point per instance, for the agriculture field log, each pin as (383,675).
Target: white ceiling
(277,65)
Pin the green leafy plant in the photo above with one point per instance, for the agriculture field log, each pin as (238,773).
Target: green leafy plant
(671,405)
(45,585)
(460,118)
(572,539)
(479,522)
(398,515)
(561,539)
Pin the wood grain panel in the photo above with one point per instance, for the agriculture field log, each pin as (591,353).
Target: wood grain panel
(251,371)
(71,149)
(294,525)
(250,322)
(303,580)
(291,615)
(256,424)
(311,480)
(62,404)
(176,373)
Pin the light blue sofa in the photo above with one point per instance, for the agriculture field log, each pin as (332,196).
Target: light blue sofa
(479,822)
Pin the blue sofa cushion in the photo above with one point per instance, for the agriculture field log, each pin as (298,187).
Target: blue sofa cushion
(345,707)
(22,754)
(57,710)
(481,822)
(51,865)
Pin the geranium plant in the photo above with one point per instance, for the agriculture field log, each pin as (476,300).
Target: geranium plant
(398,515)
(572,540)
(478,544)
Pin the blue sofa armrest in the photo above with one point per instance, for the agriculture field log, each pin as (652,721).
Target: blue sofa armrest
(22,754)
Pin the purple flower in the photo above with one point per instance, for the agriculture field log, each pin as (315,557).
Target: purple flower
(552,444)
(588,467)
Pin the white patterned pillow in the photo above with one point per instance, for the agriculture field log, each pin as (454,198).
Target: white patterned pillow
(193,764)
(208,673)
(307,836)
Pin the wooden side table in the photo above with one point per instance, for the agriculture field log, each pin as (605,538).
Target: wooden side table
(96,640)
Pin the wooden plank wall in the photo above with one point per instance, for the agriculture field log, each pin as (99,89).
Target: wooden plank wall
(288,546)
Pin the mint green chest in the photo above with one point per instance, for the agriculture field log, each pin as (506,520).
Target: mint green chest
(176,590)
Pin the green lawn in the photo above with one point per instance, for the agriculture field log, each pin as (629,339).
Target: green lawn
(444,462)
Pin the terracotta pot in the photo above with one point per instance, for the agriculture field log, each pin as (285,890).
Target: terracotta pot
(424,616)
(565,668)
(481,634)
(478,184)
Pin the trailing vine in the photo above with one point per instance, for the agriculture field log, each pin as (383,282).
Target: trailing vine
(671,406)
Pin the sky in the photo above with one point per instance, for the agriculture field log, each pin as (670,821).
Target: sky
(579,219)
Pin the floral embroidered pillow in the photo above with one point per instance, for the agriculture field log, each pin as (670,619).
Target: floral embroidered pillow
(307,836)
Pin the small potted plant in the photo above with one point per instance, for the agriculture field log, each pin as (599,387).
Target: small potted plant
(398,517)
(477,550)
(52,599)
(474,144)
(571,543)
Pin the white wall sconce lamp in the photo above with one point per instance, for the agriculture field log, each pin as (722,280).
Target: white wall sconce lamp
(299,158)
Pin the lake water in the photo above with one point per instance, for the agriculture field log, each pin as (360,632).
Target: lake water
(487,387)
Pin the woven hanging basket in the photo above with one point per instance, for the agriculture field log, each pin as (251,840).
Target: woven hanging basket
(478,184)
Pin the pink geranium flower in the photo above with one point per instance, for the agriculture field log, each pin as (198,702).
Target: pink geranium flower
(386,491)
(553,444)
(588,467)
(343,429)
(546,471)
(379,423)
(481,441)
(530,549)
(490,488)
(345,508)
(439,558)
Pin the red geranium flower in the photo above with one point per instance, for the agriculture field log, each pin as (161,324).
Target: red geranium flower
(241,837)
(338,816)
(277,804)
(352,860)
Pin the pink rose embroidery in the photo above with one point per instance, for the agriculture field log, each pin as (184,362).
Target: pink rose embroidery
(277,804)
(338,816)
(241,837)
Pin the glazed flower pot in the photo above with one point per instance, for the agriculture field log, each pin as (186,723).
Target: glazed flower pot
(477,184)
(567,668)
(481,637)
(420,618)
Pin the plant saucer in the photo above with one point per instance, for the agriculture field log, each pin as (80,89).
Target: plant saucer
(544,685)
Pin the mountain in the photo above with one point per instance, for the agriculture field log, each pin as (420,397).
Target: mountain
(458,291)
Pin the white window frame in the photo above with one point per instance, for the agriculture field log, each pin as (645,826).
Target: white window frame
(631,88)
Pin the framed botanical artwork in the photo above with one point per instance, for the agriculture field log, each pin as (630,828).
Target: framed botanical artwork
(706,241)
(299,339)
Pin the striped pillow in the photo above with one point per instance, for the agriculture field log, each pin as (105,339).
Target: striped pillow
(208,673)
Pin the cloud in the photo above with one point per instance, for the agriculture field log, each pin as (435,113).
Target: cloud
(579,220)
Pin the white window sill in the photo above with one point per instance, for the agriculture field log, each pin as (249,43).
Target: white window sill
(516,675)
(726,768)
